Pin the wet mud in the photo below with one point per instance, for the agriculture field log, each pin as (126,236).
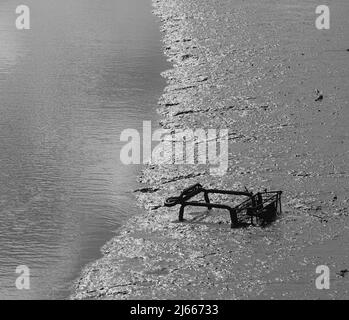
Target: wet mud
(280,86)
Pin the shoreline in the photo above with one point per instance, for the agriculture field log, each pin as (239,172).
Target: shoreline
(215,49)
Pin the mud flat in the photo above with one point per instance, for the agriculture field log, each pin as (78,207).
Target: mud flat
(281,88)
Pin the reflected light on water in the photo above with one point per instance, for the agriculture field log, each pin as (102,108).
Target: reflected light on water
(84,72)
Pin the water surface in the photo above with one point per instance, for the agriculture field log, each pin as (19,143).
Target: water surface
(85,71)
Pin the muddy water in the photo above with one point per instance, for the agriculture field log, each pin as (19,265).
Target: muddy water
(84,72)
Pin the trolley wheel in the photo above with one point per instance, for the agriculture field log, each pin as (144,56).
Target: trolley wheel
(256,221)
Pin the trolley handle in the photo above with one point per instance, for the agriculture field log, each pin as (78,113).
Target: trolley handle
(192,191)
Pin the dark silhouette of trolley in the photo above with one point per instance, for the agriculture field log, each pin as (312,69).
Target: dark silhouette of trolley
(262,207)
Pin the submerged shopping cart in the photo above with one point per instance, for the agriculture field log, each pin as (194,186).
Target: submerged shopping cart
(262,207)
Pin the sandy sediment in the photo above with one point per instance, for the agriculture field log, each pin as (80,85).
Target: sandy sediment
(263,71)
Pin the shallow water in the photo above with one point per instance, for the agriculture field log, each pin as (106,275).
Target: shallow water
(85,71)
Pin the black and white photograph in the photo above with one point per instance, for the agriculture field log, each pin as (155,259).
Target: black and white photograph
(174,154)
